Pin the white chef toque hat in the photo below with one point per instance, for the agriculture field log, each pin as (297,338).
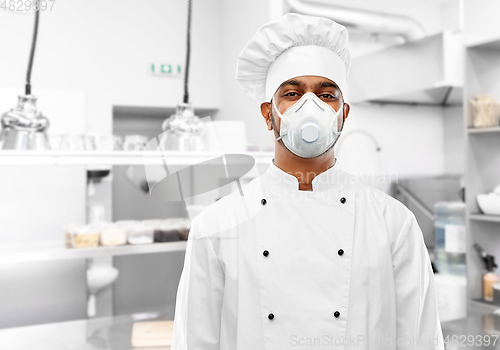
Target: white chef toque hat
(293,45)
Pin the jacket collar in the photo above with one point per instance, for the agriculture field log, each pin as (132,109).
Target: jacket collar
(332,176)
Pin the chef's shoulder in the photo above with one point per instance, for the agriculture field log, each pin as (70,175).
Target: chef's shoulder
(395,216)
(230,210)
(380,200)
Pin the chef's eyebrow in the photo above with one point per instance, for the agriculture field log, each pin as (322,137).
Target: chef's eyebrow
(327,84)
(322,84)
(293,82)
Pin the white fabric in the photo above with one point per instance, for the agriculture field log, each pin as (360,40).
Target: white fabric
(277,38)
(305,60)
(382,285)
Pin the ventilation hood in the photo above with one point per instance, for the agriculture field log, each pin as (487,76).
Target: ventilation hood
(369,21)
(426,71)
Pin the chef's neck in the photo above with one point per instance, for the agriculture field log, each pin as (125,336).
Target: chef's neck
(304,169)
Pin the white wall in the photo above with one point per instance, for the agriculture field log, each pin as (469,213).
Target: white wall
(481,20)
(453,124)
(410,139)
(454,140)
(451,15)
(241,19)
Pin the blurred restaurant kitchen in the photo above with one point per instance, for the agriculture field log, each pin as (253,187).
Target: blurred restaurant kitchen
(112,149)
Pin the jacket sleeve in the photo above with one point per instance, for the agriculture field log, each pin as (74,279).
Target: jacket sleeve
(199,295)
(418,324)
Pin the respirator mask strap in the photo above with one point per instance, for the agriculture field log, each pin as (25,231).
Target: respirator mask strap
(337,114)
(279,115)
(276,109)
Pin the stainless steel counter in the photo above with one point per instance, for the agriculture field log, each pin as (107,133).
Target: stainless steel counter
(114,333)
(475,332)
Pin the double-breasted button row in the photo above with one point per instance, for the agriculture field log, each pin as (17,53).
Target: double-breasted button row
(263,201)
(336,314)
(266,252)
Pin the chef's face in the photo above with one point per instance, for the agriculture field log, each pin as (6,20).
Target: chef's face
(292,90)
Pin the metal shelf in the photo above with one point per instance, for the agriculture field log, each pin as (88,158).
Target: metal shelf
(482,75)
(56,250)
(483,217)
(484,304)
(483,130)
(492,43)
(115,157)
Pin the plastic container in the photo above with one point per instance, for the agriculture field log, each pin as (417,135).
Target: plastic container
(184,227)
(485,111)
(141,233)
(172,229)
(167,231)
(113,235)
(450,237)
(68,234)
(126,225)
(86,236)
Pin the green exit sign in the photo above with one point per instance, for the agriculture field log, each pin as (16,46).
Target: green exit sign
(165,69)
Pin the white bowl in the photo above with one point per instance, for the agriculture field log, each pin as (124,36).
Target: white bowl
(489,203)
(99,277)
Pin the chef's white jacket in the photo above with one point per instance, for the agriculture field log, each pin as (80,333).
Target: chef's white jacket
(343,266)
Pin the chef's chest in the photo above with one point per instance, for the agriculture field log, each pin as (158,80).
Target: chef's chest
(301,236)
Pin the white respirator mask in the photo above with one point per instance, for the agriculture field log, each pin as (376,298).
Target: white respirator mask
(309,127)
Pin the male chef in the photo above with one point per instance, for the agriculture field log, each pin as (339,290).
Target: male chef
(305,256)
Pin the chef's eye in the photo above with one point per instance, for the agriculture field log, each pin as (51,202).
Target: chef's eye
(327,96)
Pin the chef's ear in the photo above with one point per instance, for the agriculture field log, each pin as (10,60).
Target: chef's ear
(347,109)
(265,109)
